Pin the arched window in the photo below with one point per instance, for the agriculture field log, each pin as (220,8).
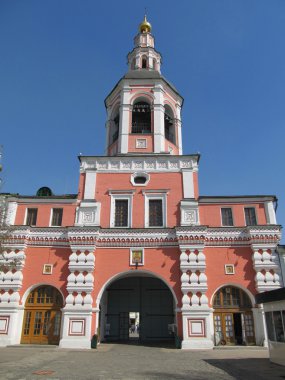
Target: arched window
(231,297)
(144,62)
(169,128)
(141,118)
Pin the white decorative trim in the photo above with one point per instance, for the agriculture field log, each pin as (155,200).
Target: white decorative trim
(76,327)
(11,213)
(90,185)
(188,184)
(189,213)
(141,143)
(167,163)
(88,214)
(4,324)
(140,174)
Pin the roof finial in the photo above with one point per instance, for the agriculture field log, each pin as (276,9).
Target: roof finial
(145,26)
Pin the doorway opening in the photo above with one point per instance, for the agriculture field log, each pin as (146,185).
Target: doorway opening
(42,317)
(137,309)
(233,319)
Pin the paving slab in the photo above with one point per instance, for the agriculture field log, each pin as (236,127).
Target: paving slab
(123,361)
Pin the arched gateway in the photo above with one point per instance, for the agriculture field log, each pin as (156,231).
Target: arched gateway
(42,318)
(137,307)
(233,319)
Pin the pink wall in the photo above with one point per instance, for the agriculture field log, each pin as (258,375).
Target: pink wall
(172,181)
(210,214)
(240,257)
(44,213)
(36,257)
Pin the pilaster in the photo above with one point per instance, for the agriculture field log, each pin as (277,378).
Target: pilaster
(11,278)
(77,313)
(196,314)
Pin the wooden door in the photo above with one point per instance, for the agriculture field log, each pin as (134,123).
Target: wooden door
(248,327)
(42,317)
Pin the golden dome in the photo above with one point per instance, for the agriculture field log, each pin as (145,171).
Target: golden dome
(145,26)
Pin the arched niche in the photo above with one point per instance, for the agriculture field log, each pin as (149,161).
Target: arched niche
(169,125)
(141,116)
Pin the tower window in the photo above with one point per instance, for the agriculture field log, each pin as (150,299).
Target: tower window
(169,129)
(144,63)
(141,118)
(31,219)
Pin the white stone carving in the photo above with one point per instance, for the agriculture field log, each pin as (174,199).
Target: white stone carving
(189,213)
(88,214)
(141,143)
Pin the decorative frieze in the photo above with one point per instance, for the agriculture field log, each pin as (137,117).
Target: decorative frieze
(161,163)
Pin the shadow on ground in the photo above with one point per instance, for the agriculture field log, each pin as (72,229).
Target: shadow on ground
(251,368)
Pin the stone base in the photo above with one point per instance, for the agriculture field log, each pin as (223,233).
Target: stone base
(76,342)
(197,344)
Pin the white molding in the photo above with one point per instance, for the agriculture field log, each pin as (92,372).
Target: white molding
(154,163)
(270,213)
(88,214)
(140,174)
(188,184)
(189,213)
(90,185)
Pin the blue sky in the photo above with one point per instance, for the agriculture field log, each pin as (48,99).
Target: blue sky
(59,60)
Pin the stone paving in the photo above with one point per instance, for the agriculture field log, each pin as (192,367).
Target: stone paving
(122,361)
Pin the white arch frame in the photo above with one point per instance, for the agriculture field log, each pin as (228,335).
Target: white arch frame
(136,274)
(250,295)
(142,96)
(33,287)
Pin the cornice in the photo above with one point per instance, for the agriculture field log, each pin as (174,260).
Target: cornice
(83,236)
(153,163)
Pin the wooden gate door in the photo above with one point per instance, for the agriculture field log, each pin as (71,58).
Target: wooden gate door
(42,316)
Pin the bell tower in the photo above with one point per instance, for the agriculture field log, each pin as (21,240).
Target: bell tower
(143,109)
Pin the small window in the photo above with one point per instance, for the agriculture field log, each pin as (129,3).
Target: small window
(144,63)
(155,213)
(227,217)
(250,216)
(31,219)
(56,216)
(121,212)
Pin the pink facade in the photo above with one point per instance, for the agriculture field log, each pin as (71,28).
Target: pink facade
(138,219)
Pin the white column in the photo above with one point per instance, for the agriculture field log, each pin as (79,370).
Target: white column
(179,126)
(158,120)
(270,213)
(90,185)
(124,127)
(11,313)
